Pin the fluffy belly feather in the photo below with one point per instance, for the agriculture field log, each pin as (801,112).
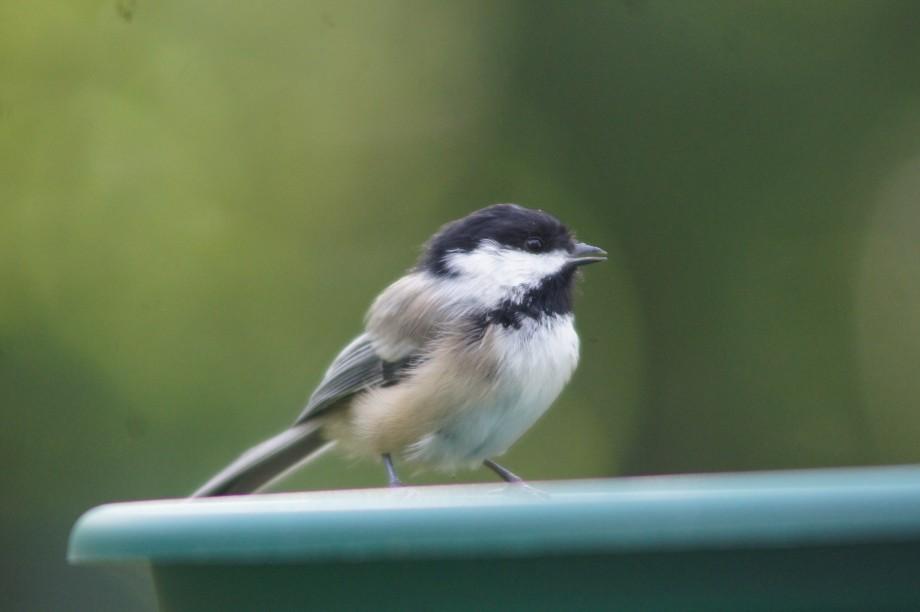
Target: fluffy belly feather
(534,362)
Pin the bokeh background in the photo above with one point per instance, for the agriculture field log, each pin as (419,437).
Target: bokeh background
(199,199)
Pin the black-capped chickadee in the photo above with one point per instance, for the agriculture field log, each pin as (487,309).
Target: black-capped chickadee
(458,359)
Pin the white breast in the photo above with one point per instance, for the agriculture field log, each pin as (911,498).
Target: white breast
(537,360)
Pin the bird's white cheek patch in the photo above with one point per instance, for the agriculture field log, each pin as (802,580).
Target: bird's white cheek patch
(492,272)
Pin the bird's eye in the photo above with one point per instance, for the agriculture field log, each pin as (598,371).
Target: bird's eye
(534,245)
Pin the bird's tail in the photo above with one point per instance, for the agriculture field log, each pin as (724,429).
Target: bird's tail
(267,461)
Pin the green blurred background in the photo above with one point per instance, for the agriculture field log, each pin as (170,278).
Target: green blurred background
(198,200)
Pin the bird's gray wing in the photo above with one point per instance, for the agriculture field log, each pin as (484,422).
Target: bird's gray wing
(403,321)
(357,368)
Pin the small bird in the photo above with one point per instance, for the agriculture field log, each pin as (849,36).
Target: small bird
(458,358)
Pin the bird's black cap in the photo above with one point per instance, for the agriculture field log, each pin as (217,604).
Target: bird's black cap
(509,225)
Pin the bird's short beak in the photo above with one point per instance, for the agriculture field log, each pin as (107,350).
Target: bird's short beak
(585,253)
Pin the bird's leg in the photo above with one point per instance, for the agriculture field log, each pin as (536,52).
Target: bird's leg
(391,471)
(504,473)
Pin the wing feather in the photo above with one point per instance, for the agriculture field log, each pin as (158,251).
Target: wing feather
(358,367)
(400,325)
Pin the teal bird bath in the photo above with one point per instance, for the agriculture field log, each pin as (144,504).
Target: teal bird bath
(808,540)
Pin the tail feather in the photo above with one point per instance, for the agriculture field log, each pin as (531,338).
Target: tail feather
(266,462)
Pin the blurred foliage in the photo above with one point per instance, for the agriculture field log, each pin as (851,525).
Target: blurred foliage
(198,200)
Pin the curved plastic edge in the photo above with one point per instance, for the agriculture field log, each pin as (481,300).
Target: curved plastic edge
(773,509)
